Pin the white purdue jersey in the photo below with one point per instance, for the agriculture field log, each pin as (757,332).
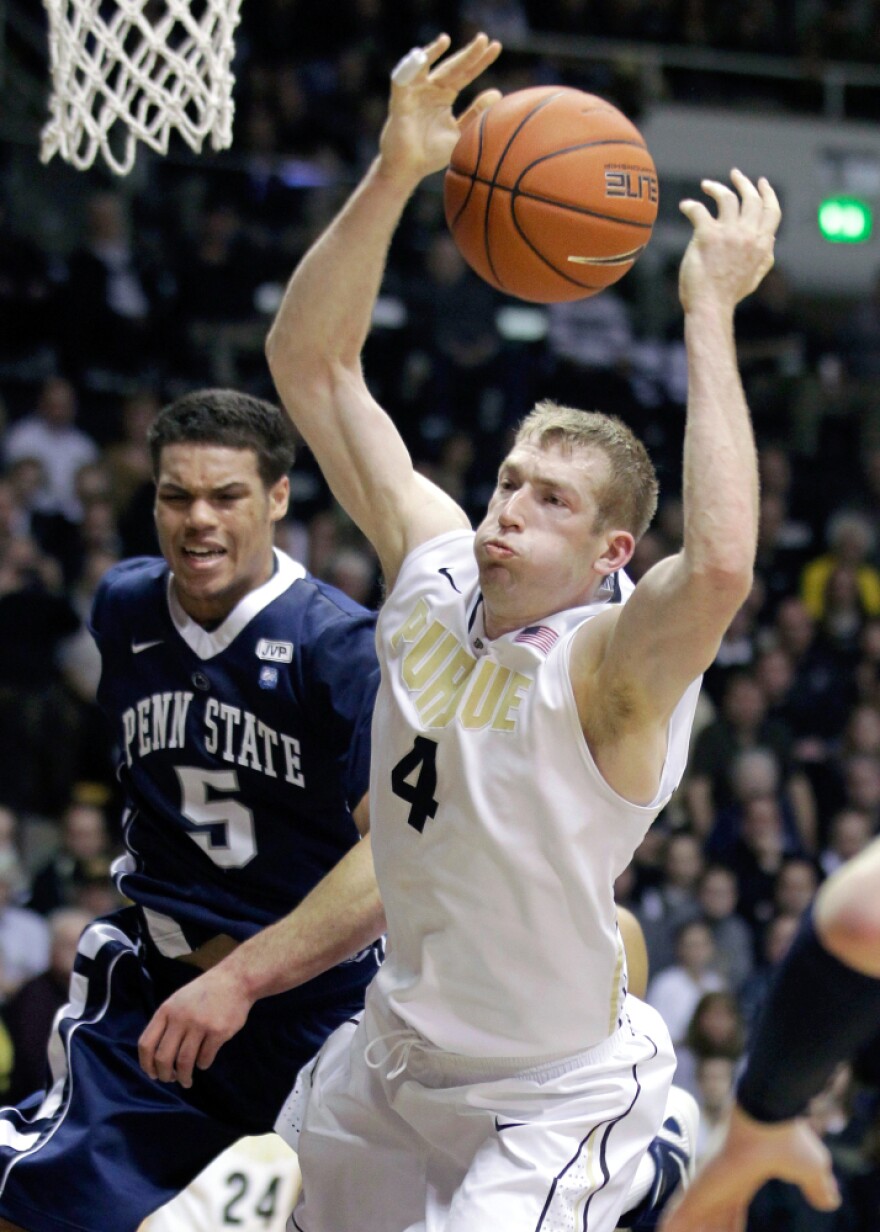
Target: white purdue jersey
(496,839)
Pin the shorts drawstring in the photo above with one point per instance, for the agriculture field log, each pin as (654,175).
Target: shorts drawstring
(396,1054)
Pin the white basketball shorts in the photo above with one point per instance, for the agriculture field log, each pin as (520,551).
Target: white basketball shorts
(401,1137)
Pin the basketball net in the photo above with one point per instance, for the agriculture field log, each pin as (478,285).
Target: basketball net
(125,71)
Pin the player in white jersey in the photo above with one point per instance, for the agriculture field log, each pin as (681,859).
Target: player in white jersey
(531,721)
(250,1187)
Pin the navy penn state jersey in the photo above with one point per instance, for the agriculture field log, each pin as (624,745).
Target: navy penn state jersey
(243,750)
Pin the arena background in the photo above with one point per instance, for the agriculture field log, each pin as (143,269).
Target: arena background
(117,294)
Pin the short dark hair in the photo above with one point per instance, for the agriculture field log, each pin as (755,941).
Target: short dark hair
(227,417)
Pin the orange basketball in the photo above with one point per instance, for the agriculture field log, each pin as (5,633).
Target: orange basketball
(551,194)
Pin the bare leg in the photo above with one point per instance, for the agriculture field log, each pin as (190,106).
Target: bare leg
(5,1226)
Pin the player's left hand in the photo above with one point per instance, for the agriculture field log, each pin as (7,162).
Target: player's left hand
(728,254)
(718,1198)
(189,1028)
(421,131)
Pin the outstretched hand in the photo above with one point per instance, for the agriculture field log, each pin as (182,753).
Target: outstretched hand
(421,130)
(729,253)
(717,1200)
(188,1030)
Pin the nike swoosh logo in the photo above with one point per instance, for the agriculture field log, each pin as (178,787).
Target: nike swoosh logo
(449,578)
(619,259)
(137,647)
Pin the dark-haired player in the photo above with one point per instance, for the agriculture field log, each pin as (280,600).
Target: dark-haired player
(241,690)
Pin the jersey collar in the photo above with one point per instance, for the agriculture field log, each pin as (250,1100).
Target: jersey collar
(206,644)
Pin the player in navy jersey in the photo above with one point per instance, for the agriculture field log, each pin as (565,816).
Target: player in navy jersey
(241,691)
(823,1008)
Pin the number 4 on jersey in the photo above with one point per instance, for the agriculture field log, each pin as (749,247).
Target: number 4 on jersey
(420,761)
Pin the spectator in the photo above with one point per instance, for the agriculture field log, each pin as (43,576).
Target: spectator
(779,477)
(715,1075)
(455,311)
(27,306)
(589,344)
(83,852)
(36,719)
(844,614)
(738,647)
(757,857)
(741,724)
(777,937)
(29,1013)
(127,460)
(771,348)
(665,907)
(867,670)
(676,992)
(717,898)
(354,572)
(774,672)
(50,436)
(862,732)
(219,272)
(78,656)
(783,547)
(10,841)
(756,773)
(849,832)
(861,785)
(113,305)
(851,542)
(24,935)
(27,482)
(823,690)
(796,884)
(716,1029)
(648,859)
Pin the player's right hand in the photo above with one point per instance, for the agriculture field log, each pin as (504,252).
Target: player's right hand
(189,1028)
(421,131)
(718,1198)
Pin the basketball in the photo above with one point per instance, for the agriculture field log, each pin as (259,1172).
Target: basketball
(551,194)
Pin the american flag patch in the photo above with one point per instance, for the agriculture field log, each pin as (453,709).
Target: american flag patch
(541,636)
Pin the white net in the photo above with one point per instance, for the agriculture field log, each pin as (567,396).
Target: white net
(125,71)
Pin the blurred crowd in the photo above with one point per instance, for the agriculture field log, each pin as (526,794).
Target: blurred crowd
(173,288)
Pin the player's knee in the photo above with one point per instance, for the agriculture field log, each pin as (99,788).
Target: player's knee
(847,912)
(6,1226)
(850,930)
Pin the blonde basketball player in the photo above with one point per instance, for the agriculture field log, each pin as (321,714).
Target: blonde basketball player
(532,720)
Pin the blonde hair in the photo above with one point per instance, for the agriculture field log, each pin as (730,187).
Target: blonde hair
(629,498)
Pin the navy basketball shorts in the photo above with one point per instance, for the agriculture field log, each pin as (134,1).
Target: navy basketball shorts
(105,1144)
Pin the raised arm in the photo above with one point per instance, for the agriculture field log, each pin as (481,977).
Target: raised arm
(315,343)
(670,630)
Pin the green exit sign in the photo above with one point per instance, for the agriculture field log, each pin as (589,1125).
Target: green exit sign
(845,220)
